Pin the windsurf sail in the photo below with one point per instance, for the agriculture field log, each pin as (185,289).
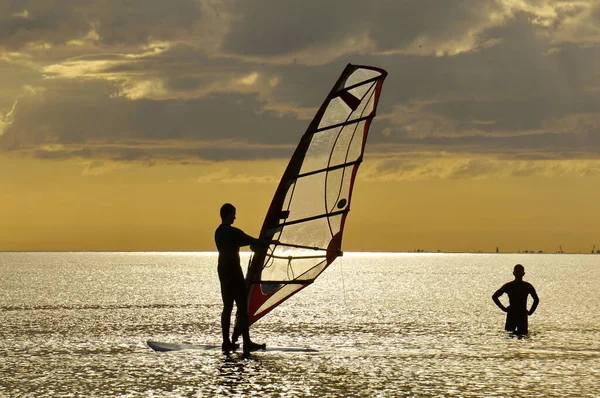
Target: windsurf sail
(311,203)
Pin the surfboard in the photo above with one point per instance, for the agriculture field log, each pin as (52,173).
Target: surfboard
(165,347)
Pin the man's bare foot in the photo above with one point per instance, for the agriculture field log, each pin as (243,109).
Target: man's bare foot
(228,346)
(248,348)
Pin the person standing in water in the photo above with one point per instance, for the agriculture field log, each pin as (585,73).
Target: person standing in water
(233,285)
(516,313)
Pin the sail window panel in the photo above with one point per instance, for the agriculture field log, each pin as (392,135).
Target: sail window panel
(337,112)
(290,269)
(361,92)
(318,194)
(367,105)
(278,296)
(360,75)
(333,147)
(308,197)
(314,233)
(338,189)
(319,150)
(312,273)
(349,145)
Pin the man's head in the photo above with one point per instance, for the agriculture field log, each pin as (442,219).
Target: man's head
(227,213)
(519,271)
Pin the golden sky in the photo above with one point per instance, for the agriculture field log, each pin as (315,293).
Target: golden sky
(124,125)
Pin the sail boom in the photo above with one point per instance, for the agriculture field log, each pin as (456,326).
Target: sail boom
(305,247)
(301,220)
(268,282)
(294,257)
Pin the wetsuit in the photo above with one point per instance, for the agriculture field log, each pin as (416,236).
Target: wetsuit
(516,312)
(233,285)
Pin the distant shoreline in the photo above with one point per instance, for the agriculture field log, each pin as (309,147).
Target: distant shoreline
(247,251)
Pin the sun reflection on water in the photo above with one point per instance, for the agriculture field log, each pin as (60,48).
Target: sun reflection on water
(397,325)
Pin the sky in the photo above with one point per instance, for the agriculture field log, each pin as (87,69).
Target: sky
(125,124)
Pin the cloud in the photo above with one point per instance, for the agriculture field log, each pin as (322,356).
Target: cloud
(577,22)
(114,23)
(514,95)
(226,176)
(436,166)
(278,31)
(98,167)
(160,151)
(7,119)
(152,81)
(160,74)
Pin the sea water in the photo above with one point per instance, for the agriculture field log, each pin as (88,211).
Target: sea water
(384,325)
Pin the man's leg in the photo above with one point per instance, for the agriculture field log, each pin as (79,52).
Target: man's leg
(227,296)
(510,324)
(237,332)
(522,328)
(226,319)
(237,329)
(241,302)
(243,324)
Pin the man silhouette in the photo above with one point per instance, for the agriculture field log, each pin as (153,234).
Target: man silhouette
(516,313)
(233,285)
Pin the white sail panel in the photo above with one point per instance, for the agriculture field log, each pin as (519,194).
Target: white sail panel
(290,266)
(337,111)
(361,75)
(279,295)
(326,188)
(341,145)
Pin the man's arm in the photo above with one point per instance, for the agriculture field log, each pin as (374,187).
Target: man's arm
(247,240)
(536,300)
(261,243)
(496,298)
